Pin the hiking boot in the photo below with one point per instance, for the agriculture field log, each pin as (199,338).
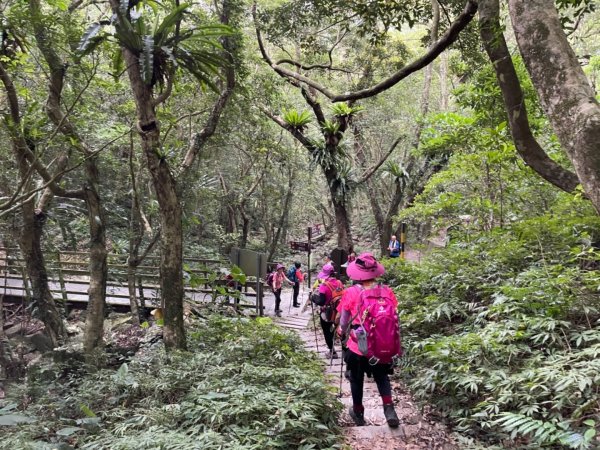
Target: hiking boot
(296,305)
(278,313)
(358,417)
(329,355)
(390,415)
(348,375)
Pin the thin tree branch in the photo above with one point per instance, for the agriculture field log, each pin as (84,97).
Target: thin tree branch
(300,137)
(447,39)
(166,93)
(369,173)
(199,139)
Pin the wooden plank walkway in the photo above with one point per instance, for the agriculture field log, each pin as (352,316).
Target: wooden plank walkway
(69,280)
(116,295)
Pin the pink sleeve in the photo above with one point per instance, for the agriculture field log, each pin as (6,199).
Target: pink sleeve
(392,295)
(323,289)
(349,299)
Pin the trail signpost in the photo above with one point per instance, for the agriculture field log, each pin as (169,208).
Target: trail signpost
(301,246)
(314,230)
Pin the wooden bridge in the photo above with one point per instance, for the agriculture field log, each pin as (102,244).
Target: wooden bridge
(68,278)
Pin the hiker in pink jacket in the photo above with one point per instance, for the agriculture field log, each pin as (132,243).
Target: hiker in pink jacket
(369,324)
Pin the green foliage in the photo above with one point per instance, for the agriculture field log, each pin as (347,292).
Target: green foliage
(296,119)
(171,43)
(369,19)
(242,385)
(503,330)
(331,127)
(342,109)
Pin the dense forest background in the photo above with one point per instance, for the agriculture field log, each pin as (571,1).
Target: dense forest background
(171,129)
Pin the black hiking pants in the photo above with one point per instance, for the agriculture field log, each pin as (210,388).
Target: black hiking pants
(359,366)
(277,293)
(296,292)
(328,330)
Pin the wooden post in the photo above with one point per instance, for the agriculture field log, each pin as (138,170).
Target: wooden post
(26,284)
(402,239)
(259,291)
(309,232)
(61,280)
(140,286)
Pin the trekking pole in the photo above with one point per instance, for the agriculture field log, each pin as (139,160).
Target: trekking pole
(314,324)
(341,372)
(334,326)
(342,342)
(290,305)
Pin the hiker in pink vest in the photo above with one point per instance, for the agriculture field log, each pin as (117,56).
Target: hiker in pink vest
(371,349)
(277,285)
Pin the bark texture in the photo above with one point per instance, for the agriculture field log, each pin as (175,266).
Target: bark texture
(98,268)
(165,184)
(94,318)
(525,143)
(165,187)
(30,236)
(564,91)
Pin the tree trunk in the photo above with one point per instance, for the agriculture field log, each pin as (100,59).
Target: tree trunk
(94,319)
(165,187)
(245,227)
(283,218)
(171,258)
(388,224)
(564,91)
(4,352)
(342,223)
(514,100)
(444,96)
(30,236)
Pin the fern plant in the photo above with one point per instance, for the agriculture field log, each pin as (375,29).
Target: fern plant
(163,47)
(342,109)
(330,127)
(297,120)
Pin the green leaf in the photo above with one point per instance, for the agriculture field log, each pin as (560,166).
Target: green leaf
(118,64)
(68,431)
(147,59)
(214,396)
(15,419)
(162,32)
(295,119)
(89,41)
(87,411)
(63,5)
(589,434)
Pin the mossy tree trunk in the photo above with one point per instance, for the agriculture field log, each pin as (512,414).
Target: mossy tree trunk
(563,89)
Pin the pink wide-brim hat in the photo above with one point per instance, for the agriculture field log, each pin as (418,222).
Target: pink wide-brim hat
(326,271)
(364,267)
(280,266)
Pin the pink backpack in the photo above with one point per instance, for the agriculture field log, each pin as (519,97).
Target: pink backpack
(380,325)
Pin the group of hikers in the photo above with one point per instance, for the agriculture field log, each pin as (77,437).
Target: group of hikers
(363,316)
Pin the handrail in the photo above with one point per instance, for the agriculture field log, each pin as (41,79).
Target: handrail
(67,274)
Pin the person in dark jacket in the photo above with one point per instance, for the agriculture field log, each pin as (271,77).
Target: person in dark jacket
(295,274)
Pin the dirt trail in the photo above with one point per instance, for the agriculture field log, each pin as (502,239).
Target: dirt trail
(416,431)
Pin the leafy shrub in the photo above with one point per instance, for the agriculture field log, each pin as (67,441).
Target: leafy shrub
(503,332)
(243,384)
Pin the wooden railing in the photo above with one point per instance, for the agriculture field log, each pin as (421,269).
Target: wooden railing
(69,280)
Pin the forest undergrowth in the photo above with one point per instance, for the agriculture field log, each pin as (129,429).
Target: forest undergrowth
(243,384)
(503,332)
